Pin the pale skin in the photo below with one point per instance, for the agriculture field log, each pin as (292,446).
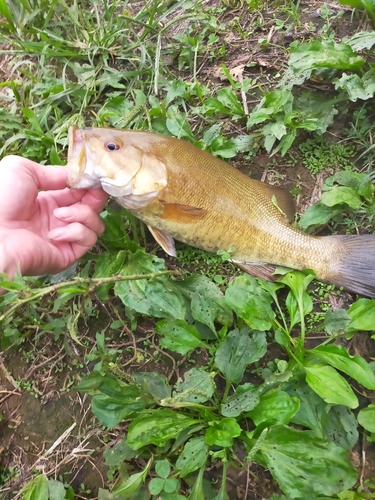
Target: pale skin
(44,226)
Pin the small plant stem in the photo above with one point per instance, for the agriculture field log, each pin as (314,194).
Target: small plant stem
(91,282)
(226,391)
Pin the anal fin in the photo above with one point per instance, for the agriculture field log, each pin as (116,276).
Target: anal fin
(259,270)
(165,241)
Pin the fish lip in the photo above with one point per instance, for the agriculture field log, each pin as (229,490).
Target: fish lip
(75,142)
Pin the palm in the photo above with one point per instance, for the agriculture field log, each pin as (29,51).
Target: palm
(40,239)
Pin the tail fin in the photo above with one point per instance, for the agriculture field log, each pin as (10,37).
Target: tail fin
(355,266)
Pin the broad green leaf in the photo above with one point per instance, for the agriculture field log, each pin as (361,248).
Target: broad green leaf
(132,483)
(336,321)
(361,40)
(197,387)
(113,400)
(223,432)
(178,125)
(208,303)
(250,302)
(197,490)
(230,101)
(162,468)
(319,214)
(330,385)
(366,417)
(362,315)
(357,88)
(305,465)
(225,148)
(324,54)
(107,264)
(244,399)
(157,427)
(179,336)
(193,456)
(237,350)
(354,366)
(157,297)
(275,407)
(339,195)
(156,485)
(56,490)
(118,453)
(155,384)
(298,299)
(36,489)
(333,422)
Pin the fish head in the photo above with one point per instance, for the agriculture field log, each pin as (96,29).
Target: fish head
(119,161)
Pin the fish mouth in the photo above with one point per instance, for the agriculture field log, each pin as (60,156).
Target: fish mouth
(80,176)
(76,150)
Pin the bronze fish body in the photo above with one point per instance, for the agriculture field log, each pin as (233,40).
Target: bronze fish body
(184,193)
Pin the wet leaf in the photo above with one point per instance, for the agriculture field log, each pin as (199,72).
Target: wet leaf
(305,465)
(193,456)
(354,366)
(157,427)
(238,349)
(179,336)
(330,385)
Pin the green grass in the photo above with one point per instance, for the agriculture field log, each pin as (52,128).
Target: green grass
(223,365)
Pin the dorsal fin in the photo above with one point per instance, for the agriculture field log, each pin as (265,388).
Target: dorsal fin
(285,200)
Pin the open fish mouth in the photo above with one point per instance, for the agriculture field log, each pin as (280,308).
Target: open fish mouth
(81,174)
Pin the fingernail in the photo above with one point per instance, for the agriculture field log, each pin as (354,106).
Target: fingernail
(65,212)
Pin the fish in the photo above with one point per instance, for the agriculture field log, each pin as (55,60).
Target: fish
(184,193)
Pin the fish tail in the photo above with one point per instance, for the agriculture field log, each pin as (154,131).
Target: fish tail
(354,265)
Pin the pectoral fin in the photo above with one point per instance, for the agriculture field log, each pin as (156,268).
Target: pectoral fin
(181,213)
(258,269)
(165,241)
(284,199)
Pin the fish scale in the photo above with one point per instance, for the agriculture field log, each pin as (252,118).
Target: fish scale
(184,193)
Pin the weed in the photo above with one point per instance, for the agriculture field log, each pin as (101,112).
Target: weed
(319,154)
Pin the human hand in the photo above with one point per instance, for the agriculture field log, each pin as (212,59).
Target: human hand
(44,232)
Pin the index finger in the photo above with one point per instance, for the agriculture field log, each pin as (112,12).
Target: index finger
(45,177)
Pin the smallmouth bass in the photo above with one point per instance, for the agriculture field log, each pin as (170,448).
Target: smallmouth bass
(184,193)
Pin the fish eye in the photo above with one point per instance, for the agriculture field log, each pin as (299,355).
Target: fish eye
(112,145)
